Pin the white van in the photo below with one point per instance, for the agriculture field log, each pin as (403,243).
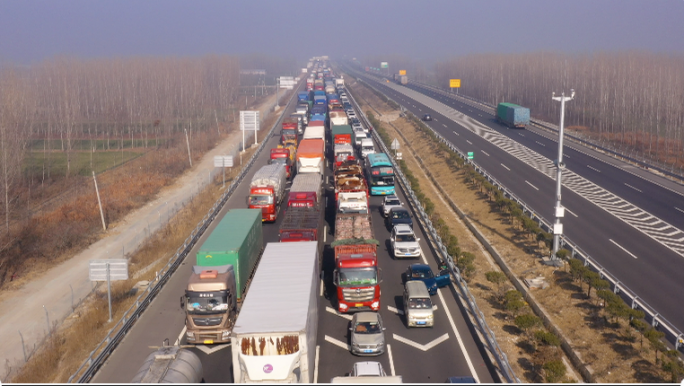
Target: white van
(418,305)
(367,147)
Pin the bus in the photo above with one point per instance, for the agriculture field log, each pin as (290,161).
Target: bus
(380,174)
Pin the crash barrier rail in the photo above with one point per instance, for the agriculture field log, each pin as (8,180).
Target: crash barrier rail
(490,342)
(643,162)
(673,335)
(116,334)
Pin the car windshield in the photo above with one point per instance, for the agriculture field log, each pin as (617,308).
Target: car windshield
(260,199)
(400,214)
(406,238)
(198,304)
(420,303)
(392,202)
(367,328)
(358,276)
(421,274)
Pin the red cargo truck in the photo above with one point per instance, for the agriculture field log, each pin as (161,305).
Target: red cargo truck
(356,276)
(288,134)
(266,191)
(282,156)
(305,191)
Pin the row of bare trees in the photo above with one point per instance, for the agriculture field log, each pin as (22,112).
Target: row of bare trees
(634,98)
(65,105)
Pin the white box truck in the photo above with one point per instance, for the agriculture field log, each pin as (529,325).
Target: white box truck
(274,338)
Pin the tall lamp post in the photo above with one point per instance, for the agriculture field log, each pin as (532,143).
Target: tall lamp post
(559,210)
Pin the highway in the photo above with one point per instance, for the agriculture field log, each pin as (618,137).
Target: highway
(629,220)
(451,348)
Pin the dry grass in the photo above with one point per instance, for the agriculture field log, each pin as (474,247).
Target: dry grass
(71,343)
(610,352)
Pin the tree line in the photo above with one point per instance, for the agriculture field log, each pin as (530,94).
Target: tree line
(631,98)
(51,111)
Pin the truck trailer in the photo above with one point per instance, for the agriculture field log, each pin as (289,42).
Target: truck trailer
(274,338)
(513,115)
(310,156)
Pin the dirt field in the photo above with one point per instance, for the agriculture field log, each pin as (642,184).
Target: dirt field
(612,352)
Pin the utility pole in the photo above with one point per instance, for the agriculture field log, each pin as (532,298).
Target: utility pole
(560,165)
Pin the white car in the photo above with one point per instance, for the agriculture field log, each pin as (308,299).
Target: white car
(391,201)
(404,242)
(351,114)
(366,369)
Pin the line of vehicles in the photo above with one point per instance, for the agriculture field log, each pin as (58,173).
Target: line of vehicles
(263,300)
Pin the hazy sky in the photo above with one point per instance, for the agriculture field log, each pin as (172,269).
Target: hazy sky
(33,30)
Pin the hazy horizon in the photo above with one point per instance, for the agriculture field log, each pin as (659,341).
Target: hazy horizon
(426,31)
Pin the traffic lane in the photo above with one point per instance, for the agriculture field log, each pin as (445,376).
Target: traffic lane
(615,263)
(392,296)
(164,319)
(642,192)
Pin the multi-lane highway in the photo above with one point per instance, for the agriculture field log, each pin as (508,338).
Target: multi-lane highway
(629,220)
(450,348)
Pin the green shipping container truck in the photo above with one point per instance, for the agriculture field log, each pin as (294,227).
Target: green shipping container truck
(237,240)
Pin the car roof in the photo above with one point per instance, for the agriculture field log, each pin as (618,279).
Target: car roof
(420,267)
(367,368)
(399,209)
(367,317)
(391,196)
(403,228)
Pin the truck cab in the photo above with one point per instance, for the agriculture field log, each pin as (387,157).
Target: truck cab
(282,156)
(210,304)
(357,278)
(288,134)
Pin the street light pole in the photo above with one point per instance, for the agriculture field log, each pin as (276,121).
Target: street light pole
(559,210)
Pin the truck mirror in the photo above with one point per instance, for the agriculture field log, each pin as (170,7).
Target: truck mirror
(379,275)
(182,302)
(335,278)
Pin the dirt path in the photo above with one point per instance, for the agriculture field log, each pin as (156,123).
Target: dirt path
(53,295)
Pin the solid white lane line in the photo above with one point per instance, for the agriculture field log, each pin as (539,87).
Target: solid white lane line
(315,380)
(569,211)
(456,133)
(633,187)
(337,343)
(623,248)
(540,143)
(325,227)
(458,336)
(469,142)
(395,310)
(593,168)
(679,209)
(506,167)
(484,152)
(185,328)
(528,183)
(321,292)
(389,353)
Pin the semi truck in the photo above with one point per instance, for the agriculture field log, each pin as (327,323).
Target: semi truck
(339,82)
(356,276)
(282,156)
(343,152)
(288,133)
(267,189)
(310,156)
(513,115)
(342,133)
(224,264)
(316,131)
(306,191)
(274,338)
(338,118)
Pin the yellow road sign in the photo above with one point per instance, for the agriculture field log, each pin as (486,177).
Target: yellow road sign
(454,83)
(402,72)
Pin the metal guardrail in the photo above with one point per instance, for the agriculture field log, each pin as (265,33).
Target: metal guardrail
(116,334)
(490,341)
(673,335)
(486,107)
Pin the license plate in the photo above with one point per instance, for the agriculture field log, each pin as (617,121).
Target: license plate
(407,254)
(208,341)
(358,305)
(420,322)
(367,351)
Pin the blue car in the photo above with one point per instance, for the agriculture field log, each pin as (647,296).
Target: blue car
(424,273)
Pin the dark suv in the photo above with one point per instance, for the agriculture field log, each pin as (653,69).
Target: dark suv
(398,216)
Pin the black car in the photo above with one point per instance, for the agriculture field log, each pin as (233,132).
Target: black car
(398,216)
(427,117)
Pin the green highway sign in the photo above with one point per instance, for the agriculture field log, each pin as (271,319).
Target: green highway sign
(471,155)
